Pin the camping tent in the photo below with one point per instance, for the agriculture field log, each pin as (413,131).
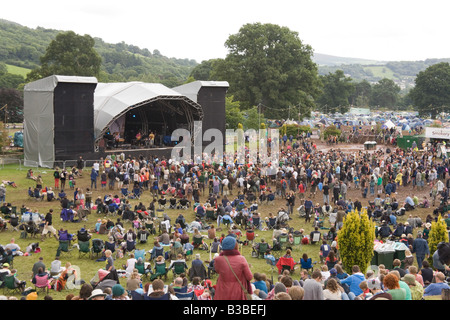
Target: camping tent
(389,124)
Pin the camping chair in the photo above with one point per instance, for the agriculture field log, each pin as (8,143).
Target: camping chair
(136,295)
(256,223)
(97,247)
(9,285)
(131,245)
(160,271)
(270,199)
(42,283)
(316,238)
(156,252)
(84,248)
(199,243)
(186,295)
(165,296)
(250,235)
(178,268)
(271,223)
(160,214)
(297,239)
(172,203)
(142,269)
(63,248)
(210,215)
(124,192)
(140,253)
(262,249)
(137,193)
(307,265)
(110,246)
(285,264)
(150,227)
(283,240)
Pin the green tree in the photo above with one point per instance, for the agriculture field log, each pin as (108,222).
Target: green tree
(438,233)
(14,99)
(69,54)
(385,93)
(431,93)
(355,240)
(269,65)
(336,92)
(362,93)
(253,118)
(233,113)
(203,70)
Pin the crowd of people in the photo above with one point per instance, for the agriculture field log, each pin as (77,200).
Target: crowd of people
(313,183)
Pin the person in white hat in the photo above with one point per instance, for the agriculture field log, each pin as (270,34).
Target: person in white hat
(97,294)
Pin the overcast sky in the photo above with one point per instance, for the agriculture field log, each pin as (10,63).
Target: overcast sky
(197,29)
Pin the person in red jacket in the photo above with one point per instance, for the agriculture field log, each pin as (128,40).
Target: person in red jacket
(234,272)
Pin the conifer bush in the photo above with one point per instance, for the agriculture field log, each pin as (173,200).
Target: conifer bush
(438,233)
(356,240)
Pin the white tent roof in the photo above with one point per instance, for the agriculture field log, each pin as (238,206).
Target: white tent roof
(389,124)
(114,99)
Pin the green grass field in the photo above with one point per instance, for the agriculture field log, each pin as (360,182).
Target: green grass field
(17,70)
(88,267)
(381,71)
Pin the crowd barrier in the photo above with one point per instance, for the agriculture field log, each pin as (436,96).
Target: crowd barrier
(61,164)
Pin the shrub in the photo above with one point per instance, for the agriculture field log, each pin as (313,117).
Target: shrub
(438,233)
(356,239)
(331,131)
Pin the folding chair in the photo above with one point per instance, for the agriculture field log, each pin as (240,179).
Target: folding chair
(63,248)
(297,239)
(186,296)
(42,283)
(84,248)
(283,240)
(199,243)
(124,192)
(97,247)
(10,285)
(262,249)
(140,253)
(142,269)
(178,268)
(160,271)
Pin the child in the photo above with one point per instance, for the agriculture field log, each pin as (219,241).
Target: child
(366,291)
(71,181)
(97,225)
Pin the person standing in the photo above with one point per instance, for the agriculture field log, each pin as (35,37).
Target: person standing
(234,272)
(94,176)
(421,249)
(48,226)
(56,176)
(80,165)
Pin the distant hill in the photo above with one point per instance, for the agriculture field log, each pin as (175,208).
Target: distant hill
(401,72)
(329,60)
(22,47)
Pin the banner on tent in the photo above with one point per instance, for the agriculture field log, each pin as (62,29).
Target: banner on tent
(437,133)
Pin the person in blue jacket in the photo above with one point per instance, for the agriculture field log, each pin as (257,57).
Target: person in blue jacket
(353,282)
